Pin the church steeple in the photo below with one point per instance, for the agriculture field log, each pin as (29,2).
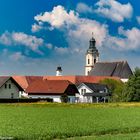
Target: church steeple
(92,42)
(92,55)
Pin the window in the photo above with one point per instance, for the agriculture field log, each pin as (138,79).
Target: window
(94,61)
(12,95)
(5,85)
(9,86)
(88,61)
(83,91)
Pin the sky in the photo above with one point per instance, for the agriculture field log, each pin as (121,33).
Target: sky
(36,36)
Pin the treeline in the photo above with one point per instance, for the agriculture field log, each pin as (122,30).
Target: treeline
(125,92)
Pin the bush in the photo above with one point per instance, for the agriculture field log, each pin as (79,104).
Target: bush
(64,98)
(115,89)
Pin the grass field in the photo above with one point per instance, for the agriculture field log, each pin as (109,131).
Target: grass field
(60,121)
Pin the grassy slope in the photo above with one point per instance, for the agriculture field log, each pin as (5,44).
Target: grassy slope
(42,121)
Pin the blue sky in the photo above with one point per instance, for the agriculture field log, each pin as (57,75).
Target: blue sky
(38,35)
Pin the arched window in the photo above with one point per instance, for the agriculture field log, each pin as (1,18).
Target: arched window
(88,61)
(94,61)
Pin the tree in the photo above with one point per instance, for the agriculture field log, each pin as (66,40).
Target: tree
(132,88)
(64,98)
(116,88)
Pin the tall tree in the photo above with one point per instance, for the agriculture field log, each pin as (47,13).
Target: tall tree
(115,88)
(132,88)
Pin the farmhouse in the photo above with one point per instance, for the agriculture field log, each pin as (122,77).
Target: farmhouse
(52,89)
(91,92)
(9,88)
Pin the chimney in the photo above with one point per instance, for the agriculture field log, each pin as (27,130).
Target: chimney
(59,71)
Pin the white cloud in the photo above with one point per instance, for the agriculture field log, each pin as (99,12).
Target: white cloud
(57,17)
(83,8)
(17,56)
(19,38)
(114,10)
(61,50)
(129,40)
(138,19)
(77,30)
(36,27)
(49,46)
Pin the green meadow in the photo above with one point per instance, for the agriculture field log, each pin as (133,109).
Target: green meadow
(44,121)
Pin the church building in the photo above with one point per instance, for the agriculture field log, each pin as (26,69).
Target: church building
(94,67)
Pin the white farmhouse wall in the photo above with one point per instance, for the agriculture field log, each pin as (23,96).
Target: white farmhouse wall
(56,99)
(80,97)
(84,87)
(9,93)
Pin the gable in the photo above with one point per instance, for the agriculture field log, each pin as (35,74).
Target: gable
(83,86)
(5,79)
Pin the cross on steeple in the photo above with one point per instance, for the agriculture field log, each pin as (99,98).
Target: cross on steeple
(92,34)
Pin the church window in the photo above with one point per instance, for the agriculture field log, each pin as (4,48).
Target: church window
(94,61)
(88,61)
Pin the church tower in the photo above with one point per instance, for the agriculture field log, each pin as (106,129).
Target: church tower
(92,56)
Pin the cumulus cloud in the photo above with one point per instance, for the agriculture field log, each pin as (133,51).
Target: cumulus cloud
(114,10)
(128,40)
(19,38)
(83,8)
(77,30)
(36,27)
(57,17)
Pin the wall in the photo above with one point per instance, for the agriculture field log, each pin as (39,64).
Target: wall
(6,92)
(55,98)
(81,97)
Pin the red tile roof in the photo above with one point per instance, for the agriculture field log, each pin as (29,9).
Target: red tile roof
(48,87)
(81,79)
(21,80)
(25,81)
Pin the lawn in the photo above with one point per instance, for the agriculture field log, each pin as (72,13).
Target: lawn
(59,121)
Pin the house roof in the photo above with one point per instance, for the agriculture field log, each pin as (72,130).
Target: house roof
(48,87)
(25,81)
(4,79)
(118,69)
(95,86)
(80,79)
